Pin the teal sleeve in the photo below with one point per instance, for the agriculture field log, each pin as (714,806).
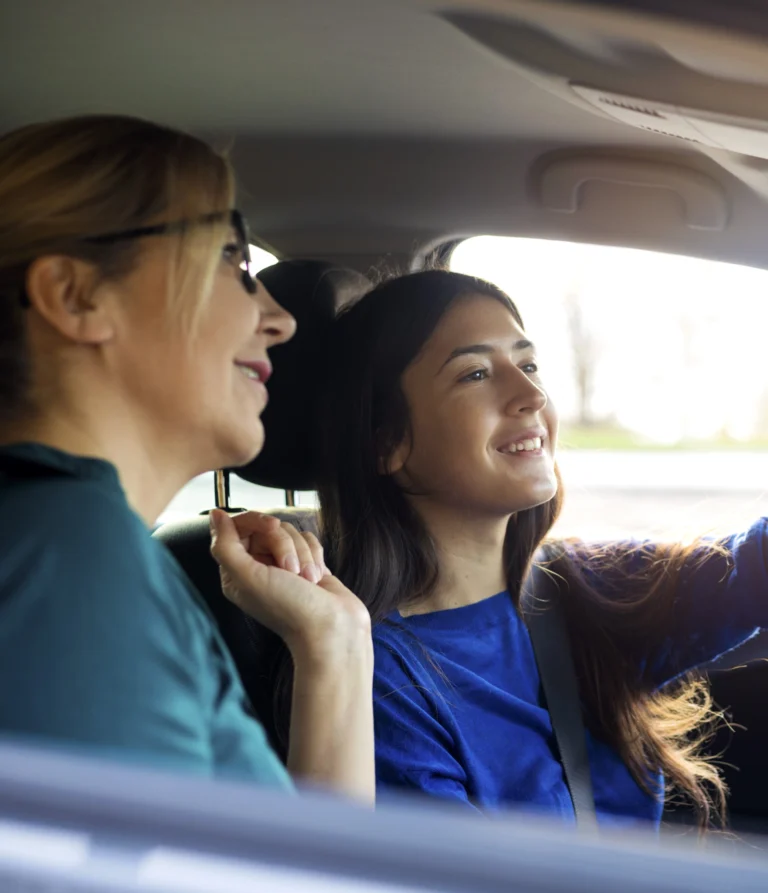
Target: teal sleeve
(102,647)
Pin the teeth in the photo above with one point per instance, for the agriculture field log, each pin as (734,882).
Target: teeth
(249,373)
(525,446)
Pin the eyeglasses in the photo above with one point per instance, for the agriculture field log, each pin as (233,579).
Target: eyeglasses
(236,221)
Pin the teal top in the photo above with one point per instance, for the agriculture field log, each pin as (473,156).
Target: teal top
(104,643)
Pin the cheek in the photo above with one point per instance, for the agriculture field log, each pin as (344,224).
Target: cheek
(191,374)
(222,335)
(180,370)
(181,374)
(552,422)
(448,444)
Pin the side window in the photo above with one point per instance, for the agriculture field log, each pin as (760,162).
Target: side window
(656,364)
(260,259)
(198,495)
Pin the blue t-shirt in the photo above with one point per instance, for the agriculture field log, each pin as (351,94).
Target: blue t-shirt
(105,646)
(457,696)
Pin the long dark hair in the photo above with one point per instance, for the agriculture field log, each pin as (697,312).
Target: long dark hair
(377,544)
(374,539)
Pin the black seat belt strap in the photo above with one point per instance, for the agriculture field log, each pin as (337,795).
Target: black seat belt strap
(549,635)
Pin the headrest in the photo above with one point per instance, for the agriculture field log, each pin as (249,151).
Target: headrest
(313,291)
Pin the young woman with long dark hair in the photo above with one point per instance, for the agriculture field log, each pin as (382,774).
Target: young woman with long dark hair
(441,484)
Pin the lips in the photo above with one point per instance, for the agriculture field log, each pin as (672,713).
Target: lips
(256,370)
(529,441)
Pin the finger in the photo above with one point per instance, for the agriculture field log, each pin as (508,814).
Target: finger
(227,546)
(282,547)
(249,523)
(333,584)
(266,535)
(310,570)
(237,568)
(317,552)
(253,528)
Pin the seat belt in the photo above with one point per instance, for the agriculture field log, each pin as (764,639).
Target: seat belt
(549,635)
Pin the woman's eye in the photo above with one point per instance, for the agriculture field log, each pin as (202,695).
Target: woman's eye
(530,368)
(477,375)
(231,253)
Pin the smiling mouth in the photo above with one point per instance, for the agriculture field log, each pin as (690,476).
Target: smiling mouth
(249,373)
(257,371)
(529,445)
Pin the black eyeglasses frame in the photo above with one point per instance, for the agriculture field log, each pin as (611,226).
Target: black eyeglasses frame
(236,220)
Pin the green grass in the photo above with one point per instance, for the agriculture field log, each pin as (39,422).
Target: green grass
(607,437)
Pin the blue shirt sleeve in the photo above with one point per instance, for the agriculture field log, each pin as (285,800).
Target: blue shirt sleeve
(102,648)
(721,601)
(413,748)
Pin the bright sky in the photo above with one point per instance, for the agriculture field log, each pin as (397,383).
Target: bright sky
(637,303)
(260,258)
(681,343)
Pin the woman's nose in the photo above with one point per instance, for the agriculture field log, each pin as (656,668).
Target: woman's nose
(527,396)
(276,323)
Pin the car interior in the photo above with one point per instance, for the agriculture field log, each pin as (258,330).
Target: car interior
(374,136)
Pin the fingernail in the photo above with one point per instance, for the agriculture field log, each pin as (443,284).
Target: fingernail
(291,563)
(309,572)
(214,521)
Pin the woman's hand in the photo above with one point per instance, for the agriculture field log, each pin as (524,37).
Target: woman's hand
(277,575)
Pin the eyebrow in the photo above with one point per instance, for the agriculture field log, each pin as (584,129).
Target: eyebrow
(522,344)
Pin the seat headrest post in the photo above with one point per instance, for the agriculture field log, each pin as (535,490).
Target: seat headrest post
(290,498)
(221,485)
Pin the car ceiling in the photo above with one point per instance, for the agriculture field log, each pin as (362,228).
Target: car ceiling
(362,128)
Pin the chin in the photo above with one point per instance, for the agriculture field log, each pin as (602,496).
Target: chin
(533,498)
(241,447)
(547,491)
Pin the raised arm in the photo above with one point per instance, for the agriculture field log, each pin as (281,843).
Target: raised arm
(721,602)
(279,578)
(715,598)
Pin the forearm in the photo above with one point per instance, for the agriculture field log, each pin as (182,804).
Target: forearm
(331,737)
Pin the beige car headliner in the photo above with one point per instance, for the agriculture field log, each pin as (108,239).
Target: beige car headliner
(362,128)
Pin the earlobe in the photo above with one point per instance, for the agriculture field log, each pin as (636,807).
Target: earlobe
(394,462)
(63,291)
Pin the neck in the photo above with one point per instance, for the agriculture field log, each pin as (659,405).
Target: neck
(151,472)
(470,553)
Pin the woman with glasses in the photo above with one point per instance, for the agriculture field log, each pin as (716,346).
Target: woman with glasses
(133,357)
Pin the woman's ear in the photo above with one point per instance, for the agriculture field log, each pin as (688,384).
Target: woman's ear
(395,460)
(63,290)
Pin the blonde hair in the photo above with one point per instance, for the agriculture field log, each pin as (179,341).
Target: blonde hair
(64,181)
